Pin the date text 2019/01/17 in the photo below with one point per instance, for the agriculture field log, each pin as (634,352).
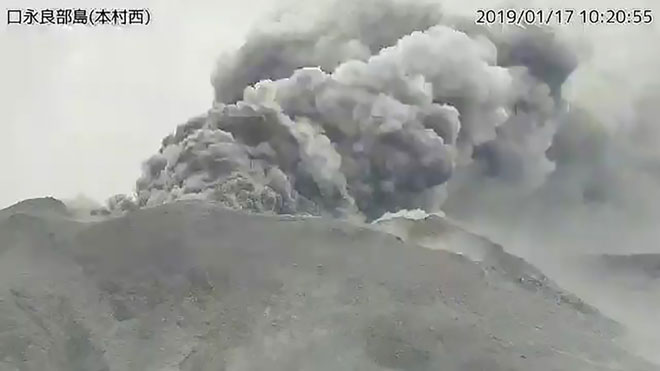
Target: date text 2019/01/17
(523,17)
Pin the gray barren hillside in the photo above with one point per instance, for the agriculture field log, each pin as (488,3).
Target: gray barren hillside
(195,287)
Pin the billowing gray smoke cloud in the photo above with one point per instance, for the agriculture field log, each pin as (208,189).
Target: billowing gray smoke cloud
(369,110)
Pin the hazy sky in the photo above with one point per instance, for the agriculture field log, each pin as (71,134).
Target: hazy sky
(81,108)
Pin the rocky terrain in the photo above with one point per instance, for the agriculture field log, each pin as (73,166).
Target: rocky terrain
(195,286)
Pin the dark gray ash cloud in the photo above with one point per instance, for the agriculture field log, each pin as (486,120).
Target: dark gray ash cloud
(371,109)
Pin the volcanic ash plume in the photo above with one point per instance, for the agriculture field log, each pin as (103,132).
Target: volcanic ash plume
(367,112)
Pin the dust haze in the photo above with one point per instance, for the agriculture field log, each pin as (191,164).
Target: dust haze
(381,106)
(406,117)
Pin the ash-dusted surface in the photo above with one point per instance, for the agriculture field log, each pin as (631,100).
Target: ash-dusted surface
(194,287)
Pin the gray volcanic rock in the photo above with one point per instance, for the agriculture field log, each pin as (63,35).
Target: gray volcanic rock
(195,287)
(436,232)
(40,206)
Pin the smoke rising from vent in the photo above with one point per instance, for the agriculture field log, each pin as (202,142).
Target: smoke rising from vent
(385,108)
(370,110)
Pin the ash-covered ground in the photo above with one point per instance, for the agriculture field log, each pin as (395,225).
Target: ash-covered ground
(193,285)
(335,206)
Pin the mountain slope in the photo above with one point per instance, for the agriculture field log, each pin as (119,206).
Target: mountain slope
(193,286)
